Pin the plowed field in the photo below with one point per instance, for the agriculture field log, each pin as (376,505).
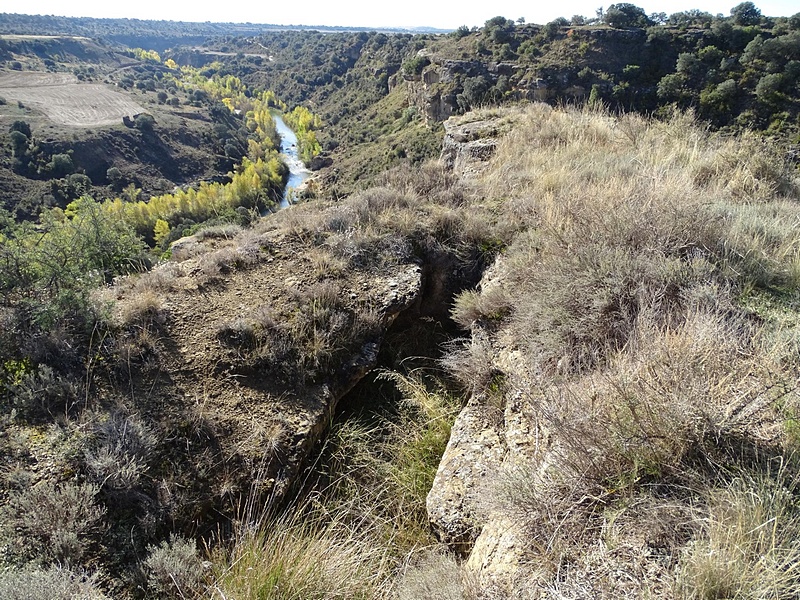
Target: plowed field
(66,101)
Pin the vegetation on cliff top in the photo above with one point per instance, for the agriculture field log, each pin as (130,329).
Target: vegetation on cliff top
(647,281)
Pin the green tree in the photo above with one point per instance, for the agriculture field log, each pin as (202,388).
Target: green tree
(22,127)
(746,13)
(60,165)
(625,14)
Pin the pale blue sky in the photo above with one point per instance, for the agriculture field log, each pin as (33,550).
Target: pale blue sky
(368,14)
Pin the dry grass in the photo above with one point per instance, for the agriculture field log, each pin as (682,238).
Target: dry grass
(620,222)
(650,283)
(303,556)
(750,541)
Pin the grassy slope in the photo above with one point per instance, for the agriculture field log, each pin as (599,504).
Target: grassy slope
(651,288)
(652,291)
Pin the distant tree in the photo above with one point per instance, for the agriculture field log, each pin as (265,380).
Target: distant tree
(746,13)
(659,18)
(162,97)
(115,177)
(474,93)
(499,29)
(690,18)
(553,27)
(625,14)
(577,20)
(794,21)
(144,122)
(769,87)
(460,32)
(60,165)
(22,127)
(160,231)
(19,143)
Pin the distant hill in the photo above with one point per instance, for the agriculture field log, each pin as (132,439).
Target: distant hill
(160,35)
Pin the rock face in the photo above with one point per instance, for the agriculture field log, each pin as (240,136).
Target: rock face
(467,146)
(495,432)
(241,352)
(475,453)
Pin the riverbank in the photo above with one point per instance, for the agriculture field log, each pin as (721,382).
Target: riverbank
(298,173)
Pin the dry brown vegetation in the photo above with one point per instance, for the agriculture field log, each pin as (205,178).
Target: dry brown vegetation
(646,290)
(652,292)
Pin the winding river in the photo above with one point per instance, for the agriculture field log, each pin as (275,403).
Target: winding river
(297,170)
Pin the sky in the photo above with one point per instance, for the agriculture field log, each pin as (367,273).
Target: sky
(375,13)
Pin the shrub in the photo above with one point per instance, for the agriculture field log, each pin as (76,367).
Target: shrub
(121,450)
(55,583)
(42,392)
(49,523)
(144,122)
(174,569)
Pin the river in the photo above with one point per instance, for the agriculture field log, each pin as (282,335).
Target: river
(297,170)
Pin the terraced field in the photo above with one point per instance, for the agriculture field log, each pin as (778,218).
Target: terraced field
(65,100)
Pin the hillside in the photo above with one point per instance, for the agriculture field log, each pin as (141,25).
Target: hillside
(503,349)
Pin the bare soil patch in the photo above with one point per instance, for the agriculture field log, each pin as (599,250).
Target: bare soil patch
(66,101)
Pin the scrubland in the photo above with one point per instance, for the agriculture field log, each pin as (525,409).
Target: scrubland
(646,286)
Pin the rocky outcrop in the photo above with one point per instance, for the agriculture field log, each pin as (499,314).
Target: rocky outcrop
(241,351)
(468,145)
(495,433)
(474,454)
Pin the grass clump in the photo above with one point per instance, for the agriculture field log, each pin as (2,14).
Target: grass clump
(748,546)
(364,515)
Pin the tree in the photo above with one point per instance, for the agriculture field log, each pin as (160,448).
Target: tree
(746,13)
(144,122)
(61,165)
(22,127)
(625,14)
(768,89)
(19,143)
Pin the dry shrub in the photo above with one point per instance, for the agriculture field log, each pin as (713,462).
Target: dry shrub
(492,304)
(120,452)
(226,231)
(674,399)
(160,279)
(324,264)
(49,523)
(221,262)
(174,569)
(470,362)
(55,583)
(144,309)
(42,392)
